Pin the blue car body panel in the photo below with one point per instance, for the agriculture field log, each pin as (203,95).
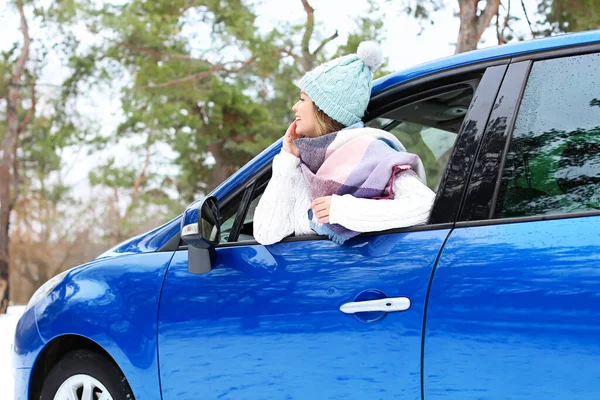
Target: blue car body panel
(27,342)
(265,322)
(26,347)
(114,303)
(513,313)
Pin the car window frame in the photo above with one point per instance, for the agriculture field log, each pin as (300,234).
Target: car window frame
(257,182)
(478,210)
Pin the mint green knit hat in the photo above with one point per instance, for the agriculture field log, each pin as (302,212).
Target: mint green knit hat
(341,88)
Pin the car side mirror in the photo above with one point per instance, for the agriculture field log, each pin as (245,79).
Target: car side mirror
(201,230)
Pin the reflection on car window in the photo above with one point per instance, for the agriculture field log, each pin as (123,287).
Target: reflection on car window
(247,229)
(230,211)
(553,162)
(429,128)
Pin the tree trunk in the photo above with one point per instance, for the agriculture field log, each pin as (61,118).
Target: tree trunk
(9,148)
(307,59)
(473,23)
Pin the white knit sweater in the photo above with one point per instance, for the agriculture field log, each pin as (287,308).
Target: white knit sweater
(283,207)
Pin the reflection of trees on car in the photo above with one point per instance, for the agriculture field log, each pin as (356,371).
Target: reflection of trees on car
(553,172)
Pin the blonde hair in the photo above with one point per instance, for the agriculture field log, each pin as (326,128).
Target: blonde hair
(325,124)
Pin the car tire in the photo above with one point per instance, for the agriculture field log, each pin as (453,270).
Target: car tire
(86,373)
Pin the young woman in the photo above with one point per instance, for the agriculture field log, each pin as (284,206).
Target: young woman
(334,176)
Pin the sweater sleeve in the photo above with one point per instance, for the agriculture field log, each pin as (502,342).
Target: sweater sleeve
(410,206)
(279,210)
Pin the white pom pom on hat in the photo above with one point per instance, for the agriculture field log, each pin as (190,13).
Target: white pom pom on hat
(370,53)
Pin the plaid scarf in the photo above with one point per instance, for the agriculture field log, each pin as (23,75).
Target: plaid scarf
(362,162)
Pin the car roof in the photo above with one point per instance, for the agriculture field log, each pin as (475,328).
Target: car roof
(487,54)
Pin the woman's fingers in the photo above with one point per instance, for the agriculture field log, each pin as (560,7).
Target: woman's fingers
(288,140)
(323,214)
(321,206)
(321,201)
(291,131)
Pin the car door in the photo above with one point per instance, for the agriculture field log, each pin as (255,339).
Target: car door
(265,322)
(514,310)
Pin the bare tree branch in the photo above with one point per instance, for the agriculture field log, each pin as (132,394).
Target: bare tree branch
(204,74)
(159,54)
(473,22)
(29,84)
(500,32)
(498,36)
(288,52)
(527,18)
(307,58)
(175,82)
(324,42)
(484,19)
(20,65)
(506,21)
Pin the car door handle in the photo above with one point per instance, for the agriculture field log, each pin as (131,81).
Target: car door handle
(391,304)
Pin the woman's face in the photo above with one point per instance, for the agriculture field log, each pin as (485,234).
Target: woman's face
(305,111)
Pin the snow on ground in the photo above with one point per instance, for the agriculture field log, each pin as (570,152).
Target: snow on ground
(8,323)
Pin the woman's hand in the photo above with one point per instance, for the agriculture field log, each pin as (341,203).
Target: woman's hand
(288,140)
(321,207)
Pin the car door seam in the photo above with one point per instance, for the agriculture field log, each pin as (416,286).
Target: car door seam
(425,313)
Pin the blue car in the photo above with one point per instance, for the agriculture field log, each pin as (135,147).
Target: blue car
(496,297)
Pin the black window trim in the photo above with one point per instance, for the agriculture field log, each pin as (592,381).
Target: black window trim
(240,214)
(429,81)
(459,168)
(484,178)
(571,51)
(399,100)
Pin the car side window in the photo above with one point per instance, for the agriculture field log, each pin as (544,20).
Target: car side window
(429,128)
(229,213)
(233,227)
(553,162)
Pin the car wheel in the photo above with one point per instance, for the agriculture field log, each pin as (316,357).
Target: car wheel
(84,375)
